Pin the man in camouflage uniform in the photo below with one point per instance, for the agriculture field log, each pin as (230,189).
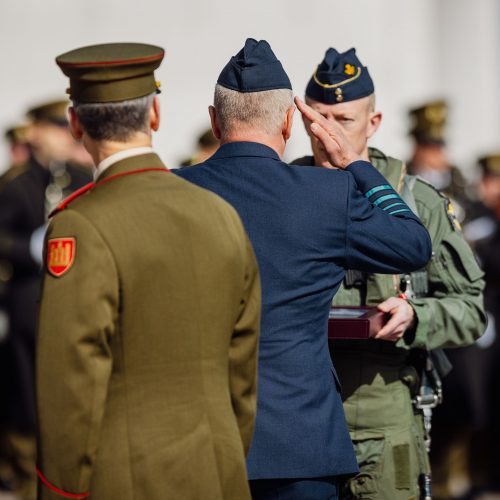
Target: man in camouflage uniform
(441,306)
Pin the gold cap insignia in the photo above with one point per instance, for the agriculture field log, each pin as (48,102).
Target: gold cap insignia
(349,69)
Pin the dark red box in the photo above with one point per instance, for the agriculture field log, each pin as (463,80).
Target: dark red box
(347,322)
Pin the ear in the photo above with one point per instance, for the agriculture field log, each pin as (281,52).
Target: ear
(74,124)
(213,120)
(287,124)
(373,123)
(154,114)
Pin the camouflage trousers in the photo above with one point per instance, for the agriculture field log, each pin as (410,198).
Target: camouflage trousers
(387,433)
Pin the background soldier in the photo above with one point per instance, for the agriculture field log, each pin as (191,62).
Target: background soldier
(18,140)
(430,158)
(28,192)
(19,151)
(150,306)
(207,144)
(488,250)
(466,425)
(443,304)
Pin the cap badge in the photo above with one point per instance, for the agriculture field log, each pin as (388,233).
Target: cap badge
(349,69)
(60,255)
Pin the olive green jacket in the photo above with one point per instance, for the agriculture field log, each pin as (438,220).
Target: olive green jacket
(147,342)
(452,314)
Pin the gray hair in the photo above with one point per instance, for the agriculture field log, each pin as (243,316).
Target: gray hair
(114,121)
(260,110)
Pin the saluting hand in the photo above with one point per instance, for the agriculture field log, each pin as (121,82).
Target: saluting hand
(338,149)
(402,318)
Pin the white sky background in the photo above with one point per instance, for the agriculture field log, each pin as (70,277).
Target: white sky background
(415,50)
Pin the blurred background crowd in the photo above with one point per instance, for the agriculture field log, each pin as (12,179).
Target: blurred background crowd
(437,68)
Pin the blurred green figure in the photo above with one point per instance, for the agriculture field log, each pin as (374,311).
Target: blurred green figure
(29,191)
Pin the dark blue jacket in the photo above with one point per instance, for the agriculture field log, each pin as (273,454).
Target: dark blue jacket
(307,225)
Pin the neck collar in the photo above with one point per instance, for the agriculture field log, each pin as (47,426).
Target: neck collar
(121,155)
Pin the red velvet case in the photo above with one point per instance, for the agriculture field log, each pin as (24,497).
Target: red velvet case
(347,322)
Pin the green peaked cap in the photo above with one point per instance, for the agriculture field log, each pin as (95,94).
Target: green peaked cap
(111,72)
(52,111)
(490,164)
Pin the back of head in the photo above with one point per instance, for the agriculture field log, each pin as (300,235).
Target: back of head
(115,121)
(253,91)
(112,87)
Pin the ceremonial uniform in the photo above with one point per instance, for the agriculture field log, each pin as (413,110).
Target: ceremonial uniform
(148,333)
(389,438)
(378,376)
(306,225)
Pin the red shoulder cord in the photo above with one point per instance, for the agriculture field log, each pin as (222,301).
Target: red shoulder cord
(92,185)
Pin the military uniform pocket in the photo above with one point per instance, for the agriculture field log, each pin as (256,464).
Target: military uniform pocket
(457,262)
(369,453)
(388,466)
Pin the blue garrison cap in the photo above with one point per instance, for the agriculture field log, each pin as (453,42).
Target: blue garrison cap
(253,69)
(340,78)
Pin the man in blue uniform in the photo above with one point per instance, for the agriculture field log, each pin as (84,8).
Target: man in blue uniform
(306,225)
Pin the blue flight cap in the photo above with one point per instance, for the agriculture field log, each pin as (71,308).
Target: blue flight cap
(253,69)
(340,78)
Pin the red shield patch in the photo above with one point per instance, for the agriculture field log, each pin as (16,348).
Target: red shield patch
(60,255)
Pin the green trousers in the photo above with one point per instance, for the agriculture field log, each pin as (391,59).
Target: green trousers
(387,433)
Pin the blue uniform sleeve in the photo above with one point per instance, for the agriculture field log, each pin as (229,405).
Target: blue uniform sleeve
(383,234)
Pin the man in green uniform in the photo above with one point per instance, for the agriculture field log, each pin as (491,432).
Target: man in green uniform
(150,311)
(440,306)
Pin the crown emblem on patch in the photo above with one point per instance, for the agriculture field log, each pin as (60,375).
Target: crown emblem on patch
(349,69)
(60,255)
